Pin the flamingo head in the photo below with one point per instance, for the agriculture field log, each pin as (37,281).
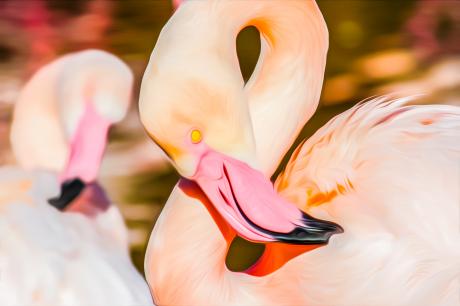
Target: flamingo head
(208,138)
(187,115)
(89,105)
(193,105)
(63,115)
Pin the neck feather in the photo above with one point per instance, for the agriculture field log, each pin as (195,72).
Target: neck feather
(284,90)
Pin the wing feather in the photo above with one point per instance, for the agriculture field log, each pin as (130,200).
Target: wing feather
(389,173)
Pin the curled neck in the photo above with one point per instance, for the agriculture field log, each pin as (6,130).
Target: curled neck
(199,41)
(185,259)
(284,89)
(52,103)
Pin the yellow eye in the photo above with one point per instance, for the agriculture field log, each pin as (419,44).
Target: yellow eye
(195,135)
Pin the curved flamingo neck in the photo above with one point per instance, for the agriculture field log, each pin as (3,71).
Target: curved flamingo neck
(284,90)
(185,259)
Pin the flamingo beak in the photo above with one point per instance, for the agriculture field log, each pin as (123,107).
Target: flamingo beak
(70,190)
(86,150)
(87,147)
(77,196)
(249,203)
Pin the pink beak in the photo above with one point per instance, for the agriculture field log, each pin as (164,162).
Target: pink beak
(87,146)
(86,151)
(249,203)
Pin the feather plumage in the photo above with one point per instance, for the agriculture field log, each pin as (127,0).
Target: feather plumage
(52,258)
(391,171)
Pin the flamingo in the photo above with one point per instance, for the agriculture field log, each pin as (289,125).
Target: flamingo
(62,241)
(384,171)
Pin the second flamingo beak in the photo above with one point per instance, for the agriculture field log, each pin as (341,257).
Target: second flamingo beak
(249,203)
(87,147)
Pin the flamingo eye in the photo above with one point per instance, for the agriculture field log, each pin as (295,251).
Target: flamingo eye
(196,136)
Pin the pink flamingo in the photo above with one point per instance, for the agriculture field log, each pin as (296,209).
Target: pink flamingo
(78,253)
(385,171)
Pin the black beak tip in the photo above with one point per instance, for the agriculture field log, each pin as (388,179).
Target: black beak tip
(339,229)
(327,228)
(313,231)
(333,229)
(70,190)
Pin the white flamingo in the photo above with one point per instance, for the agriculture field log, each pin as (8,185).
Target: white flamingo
(75,253)
(388,173)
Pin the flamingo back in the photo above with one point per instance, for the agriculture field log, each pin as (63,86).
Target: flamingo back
(389,173)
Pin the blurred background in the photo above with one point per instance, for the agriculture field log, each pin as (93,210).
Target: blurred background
(376,47)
